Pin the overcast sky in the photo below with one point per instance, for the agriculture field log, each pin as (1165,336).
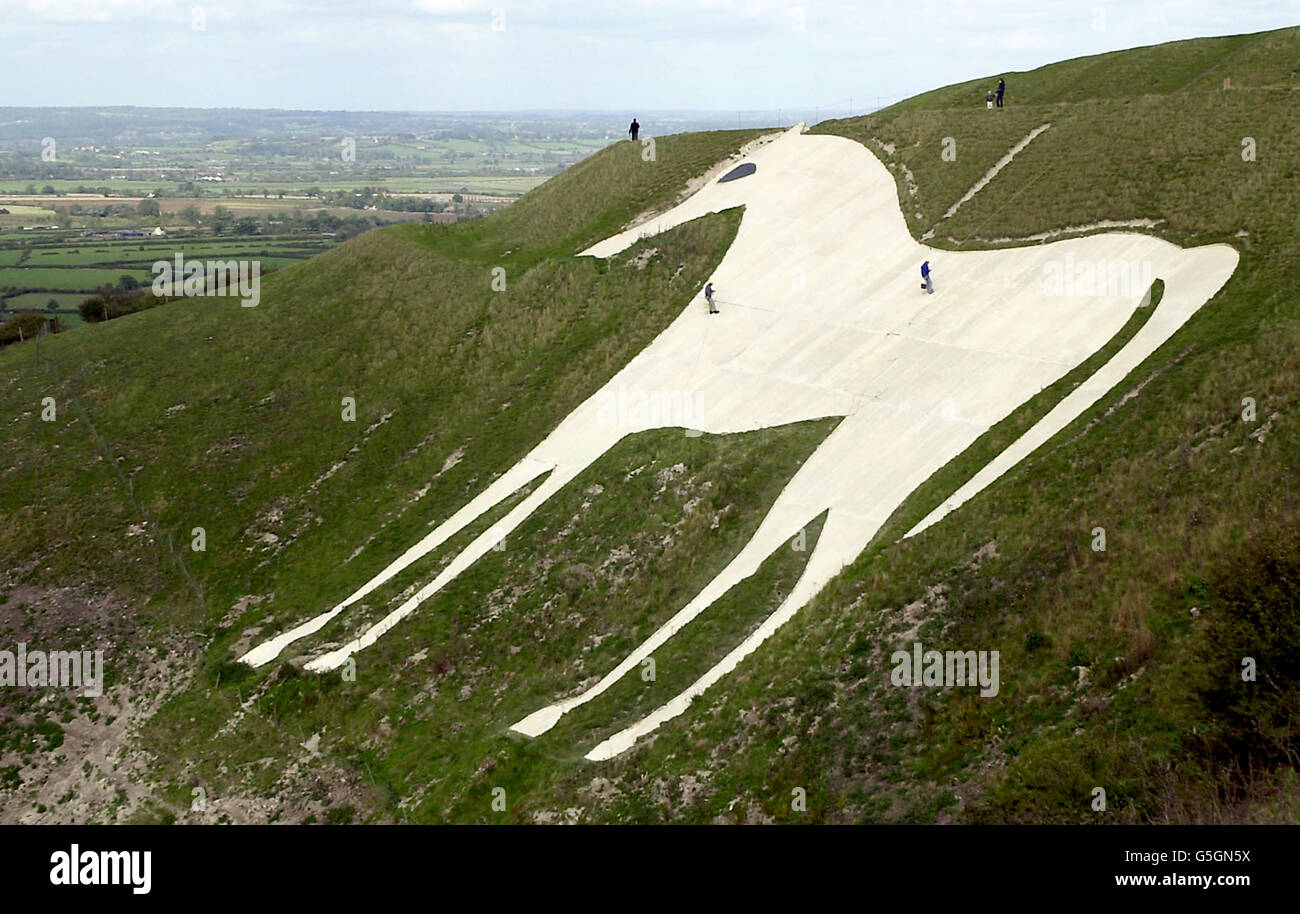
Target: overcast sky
(626,55)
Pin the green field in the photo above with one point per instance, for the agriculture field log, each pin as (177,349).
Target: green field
(217,153)
(38,301)
(70,268)
(136,254)
(474,184)
(26,212)
(69,316)
(72,278)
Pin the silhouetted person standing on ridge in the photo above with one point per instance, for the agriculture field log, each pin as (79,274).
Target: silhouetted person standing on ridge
(634,129)
(1002,90)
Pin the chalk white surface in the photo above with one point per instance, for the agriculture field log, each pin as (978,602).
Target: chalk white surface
(823,315)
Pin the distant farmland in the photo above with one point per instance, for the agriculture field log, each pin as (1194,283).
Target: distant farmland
(67,269)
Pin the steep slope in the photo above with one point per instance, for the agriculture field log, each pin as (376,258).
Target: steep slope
(232,420)
(1121,666)
(216,412)
(1124,666)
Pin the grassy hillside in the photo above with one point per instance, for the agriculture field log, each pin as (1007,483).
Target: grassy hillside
(203,414)
(1123,666)
(1120,668)
(1258,62)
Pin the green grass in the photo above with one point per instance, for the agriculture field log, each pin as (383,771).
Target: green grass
(502,638)
(449,366)
(1255,62)
(1190,500)
(617,185)
(79,255)
(72,278)
(521,358)
(1199,504)
(82,264)
(692,651)
(39,300)
(505,395)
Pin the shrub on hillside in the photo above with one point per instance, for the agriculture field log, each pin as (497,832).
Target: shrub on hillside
(110,302)
(1254,621)
(22,327)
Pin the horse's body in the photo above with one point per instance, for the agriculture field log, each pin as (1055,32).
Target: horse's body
(826,319)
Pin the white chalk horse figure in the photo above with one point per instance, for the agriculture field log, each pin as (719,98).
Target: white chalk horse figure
(827,318)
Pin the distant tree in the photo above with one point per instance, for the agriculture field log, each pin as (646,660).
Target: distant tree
(246,226)
(96,308)
(48,189)
(222,220)
(128,283)
(191,214)
(21,327)
(52,305)
(148,207)
(110,302)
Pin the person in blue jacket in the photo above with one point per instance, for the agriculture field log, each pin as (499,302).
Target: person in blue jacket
(708,297)
(927,283)
(1002,89)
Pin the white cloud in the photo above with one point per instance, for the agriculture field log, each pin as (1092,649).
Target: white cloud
(98,10)
(649,54)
